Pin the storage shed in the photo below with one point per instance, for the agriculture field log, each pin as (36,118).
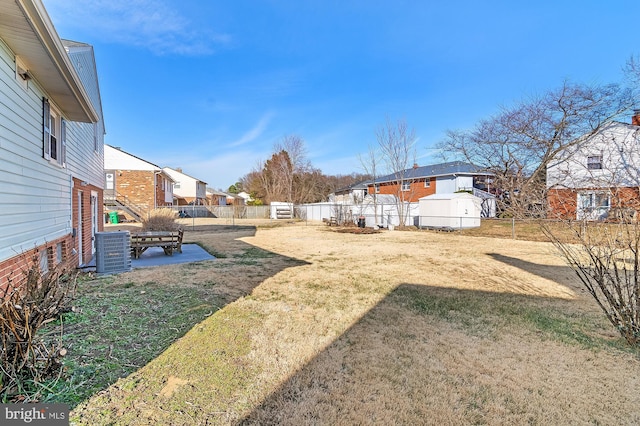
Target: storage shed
(450,211)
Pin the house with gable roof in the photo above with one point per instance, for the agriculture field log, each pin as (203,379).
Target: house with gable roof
(51,144)
(133,185)
(443,178)
(187,190)
(599,177)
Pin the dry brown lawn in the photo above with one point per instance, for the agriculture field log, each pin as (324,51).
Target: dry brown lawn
(396,327)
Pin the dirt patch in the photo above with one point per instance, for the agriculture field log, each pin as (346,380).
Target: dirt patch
(356,230)
(172,384)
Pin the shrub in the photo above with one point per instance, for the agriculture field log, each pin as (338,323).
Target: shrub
(25,359)
(160,220)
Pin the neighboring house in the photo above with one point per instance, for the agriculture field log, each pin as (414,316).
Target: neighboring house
(444,178)
(51,139)
(187,190)
(134,185)
(353,194)
(245,198)
(216,198)
(599,177)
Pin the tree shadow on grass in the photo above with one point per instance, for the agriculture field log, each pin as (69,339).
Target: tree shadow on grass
(121,322)
(423,355)
(562,275)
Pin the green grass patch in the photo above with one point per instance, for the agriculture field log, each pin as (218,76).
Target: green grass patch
(487,313)
(212,356)
(255,253)
(116,329)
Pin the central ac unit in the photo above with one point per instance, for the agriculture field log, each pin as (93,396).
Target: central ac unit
(113,252)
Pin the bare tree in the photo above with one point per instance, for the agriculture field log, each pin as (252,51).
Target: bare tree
(594,189)
(396,143)
(518,143)
(369,163)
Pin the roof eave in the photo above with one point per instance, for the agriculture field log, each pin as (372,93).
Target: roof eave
(49,64)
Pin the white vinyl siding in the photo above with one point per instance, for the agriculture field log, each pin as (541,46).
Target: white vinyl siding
(35,194)
(446,185)
(85,141)
(609,158)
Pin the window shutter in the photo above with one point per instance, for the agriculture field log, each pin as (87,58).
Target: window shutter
(63,142)
(46,132)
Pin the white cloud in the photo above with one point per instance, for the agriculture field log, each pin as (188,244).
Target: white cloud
(255,132)
(150,24)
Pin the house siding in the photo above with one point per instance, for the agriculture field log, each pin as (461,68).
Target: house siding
(39,197)
(563,202)
(85,141)
(14,270)
(35,193)
(190,190)
(618,147)
(416,190)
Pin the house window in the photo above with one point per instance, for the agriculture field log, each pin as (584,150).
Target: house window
(406,186)
(427,183)
(377,188)
(593,205)
(176,185)
(594,162)
(593,200)
(54,135)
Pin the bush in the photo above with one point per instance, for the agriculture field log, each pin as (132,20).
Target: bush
(160,220)
(25,359)
(606,259)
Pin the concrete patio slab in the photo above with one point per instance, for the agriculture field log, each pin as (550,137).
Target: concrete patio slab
(154,256)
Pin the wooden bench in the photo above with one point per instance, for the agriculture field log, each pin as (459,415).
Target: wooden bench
(168,240)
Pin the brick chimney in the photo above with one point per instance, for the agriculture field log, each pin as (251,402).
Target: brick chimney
(415,165)
(635,119)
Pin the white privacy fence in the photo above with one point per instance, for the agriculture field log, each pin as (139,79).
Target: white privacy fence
(238,212)
(374,214)
(380,214)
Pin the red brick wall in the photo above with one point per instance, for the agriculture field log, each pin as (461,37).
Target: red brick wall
(138,186)
(160,192)
(87,242)
(563,202)
(417,189)
(14,269)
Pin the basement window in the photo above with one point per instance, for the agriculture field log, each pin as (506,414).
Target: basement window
(59,255)
(44,261)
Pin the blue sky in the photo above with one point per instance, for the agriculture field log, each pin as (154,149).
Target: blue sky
(210,85)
